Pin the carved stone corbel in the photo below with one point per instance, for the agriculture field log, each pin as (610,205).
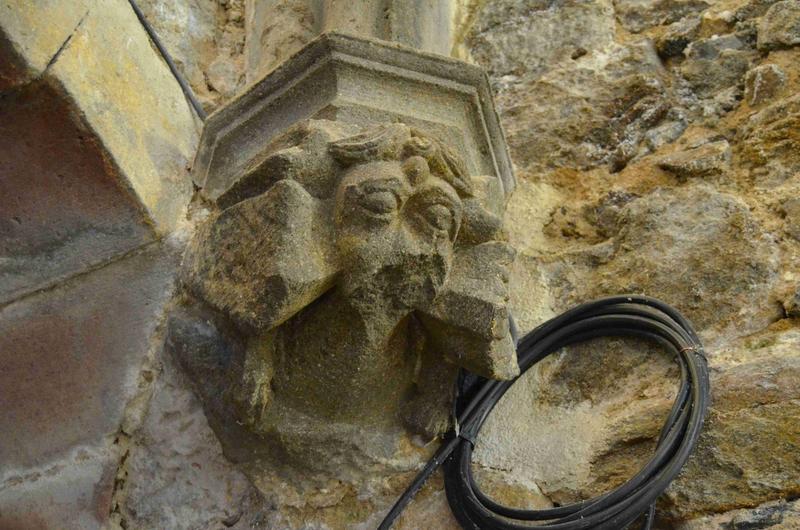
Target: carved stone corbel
(353,259)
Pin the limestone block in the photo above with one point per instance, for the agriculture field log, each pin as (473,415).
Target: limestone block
(134,106)
(771,137)
(63,207)
(638,15)
(175,474)
(96,139)
(763,83)
(677,36)
(70,357)
(27,44)
(704,160)
(73,493)
(716,64)
(780,26)
(277,29)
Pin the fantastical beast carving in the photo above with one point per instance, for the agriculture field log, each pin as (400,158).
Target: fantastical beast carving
(337,287)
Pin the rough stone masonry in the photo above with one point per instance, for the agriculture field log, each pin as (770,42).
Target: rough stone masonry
(656,147)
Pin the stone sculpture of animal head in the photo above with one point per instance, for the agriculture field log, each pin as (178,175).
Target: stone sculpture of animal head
(356,273)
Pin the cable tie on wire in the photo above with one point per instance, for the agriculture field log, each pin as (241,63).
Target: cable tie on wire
(697,350)
(467,435)
(627,315)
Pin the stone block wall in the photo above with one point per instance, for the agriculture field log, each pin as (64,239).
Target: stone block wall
(657,150)
(95,141)
(649,162)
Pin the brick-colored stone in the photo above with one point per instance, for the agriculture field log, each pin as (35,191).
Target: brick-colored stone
(70,357)
(73,494)
(104,60)
(134,105)
(63,205)
(96,138)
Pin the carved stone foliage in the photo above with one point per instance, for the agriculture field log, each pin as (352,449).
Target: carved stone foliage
(335,290)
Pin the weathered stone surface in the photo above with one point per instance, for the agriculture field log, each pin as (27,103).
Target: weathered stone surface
(520,39)
(27,46)
(751,448)
(781,515)
(770,139)
(64,209)
(570,95)
(278,29)
(174,475)
(581,137)
(720,249)
(716,64)
(637,15)
(134,108)
(677,36)
(791,212)
(73,493)
(666,132)
(607,399)
(207,39)
(705,160)
(388,268)
(70,357)
(751,9)
(763,83)
(346,79)
(780,26)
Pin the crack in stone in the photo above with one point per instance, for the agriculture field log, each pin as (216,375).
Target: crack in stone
(92,268)
(119,491)
(64,44)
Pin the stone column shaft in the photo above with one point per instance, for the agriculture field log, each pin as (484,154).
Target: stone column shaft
(278,28)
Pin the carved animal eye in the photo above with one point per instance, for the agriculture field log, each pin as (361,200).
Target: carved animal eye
(380,201)
(439,216)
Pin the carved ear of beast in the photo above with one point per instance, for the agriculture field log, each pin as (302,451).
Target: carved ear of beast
(305,160)
(381,143)
(442,161)
(265,258)
(468,321)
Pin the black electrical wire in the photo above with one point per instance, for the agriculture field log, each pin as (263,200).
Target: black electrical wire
(187,90)
(637,316)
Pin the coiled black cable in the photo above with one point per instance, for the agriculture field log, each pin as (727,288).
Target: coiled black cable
(633,315)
